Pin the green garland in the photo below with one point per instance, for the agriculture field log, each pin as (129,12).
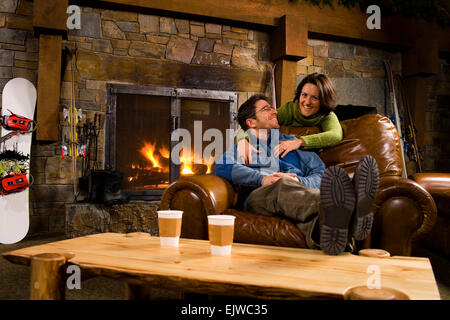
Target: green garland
(12,162)
(427,9)
(8,167)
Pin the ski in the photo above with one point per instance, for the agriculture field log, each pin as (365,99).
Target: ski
(413,151)
(393,101)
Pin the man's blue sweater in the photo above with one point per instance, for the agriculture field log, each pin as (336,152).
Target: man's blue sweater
(305,164)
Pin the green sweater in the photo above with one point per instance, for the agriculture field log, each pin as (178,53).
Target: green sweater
(290,115)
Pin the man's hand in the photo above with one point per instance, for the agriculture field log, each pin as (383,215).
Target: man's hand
(274,177)
(287,175)
(269,179)
(244,151)
(284,147)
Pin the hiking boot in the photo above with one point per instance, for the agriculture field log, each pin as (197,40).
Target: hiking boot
(366,187)
(337,204)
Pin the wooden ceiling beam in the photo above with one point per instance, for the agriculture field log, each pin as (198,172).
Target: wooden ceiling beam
(336,21)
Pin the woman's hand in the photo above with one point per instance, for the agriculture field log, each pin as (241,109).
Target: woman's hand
(244,151)
(284,147)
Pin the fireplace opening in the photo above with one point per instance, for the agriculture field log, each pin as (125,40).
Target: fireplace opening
(142,143)
(148,129)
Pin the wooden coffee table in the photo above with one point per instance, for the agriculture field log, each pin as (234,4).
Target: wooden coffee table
(251,270)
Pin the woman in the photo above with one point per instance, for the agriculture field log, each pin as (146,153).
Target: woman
(313,105)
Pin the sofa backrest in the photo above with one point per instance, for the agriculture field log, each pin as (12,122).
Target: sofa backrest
(370,134)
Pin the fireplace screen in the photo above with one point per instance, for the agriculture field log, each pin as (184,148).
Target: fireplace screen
(156,135)
(142,141)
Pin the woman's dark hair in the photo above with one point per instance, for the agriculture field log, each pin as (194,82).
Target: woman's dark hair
(327,91)
(248,110)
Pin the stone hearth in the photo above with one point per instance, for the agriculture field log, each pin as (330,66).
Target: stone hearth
(90,218)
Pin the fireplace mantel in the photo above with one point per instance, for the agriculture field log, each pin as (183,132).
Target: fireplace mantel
(336,21)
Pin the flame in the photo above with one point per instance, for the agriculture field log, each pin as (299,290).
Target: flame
(164,152)
(148,150)
(155,156)
(187,163)
(209,163)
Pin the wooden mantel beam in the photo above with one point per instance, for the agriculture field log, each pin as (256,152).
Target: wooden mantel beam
(336,21)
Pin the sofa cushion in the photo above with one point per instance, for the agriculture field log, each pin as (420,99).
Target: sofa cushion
(370,134)
(300,131)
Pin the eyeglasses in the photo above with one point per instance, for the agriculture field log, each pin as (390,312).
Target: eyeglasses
(265,109)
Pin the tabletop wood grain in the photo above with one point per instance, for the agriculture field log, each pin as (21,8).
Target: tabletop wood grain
(250,270)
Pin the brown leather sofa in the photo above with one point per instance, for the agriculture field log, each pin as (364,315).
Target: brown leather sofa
(438,185)
(404,210)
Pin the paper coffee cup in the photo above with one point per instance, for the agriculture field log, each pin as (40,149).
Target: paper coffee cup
(221,232)
(169,224)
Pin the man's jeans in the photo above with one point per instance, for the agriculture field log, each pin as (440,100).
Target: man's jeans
(291,199)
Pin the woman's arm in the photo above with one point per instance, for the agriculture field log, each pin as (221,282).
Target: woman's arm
(285,113)
(241,135)
(331,135)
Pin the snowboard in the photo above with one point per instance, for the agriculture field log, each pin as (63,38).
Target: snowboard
(18,103)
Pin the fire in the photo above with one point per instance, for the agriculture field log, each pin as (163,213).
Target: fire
(209,163)
(164,152)
(187,163)
(148,150)
(155,155)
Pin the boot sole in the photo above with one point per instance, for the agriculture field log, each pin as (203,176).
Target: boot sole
(337,197)
(366,187)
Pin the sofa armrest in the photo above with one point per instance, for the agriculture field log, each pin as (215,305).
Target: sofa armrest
(438,185)
(433,182)
(404,212)
(198,196)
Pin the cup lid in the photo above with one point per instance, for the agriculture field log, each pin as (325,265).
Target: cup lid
(170,213)
(221,216)
(221,219)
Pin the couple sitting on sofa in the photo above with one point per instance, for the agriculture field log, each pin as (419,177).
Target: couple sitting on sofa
(282,179)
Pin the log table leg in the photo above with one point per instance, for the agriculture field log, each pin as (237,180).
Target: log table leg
(48,277)
(137,292)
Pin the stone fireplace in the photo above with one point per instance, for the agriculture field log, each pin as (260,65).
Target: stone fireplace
(149,76)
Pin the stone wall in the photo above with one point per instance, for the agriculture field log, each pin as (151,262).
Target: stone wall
(86,218)
(18,47)
(125,47)
(357,71)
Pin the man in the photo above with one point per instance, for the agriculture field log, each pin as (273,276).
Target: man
(298,186)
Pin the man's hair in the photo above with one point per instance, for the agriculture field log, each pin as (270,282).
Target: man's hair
(327,91)
(248,110)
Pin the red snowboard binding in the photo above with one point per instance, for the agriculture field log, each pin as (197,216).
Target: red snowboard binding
(17,123)
(13,183)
